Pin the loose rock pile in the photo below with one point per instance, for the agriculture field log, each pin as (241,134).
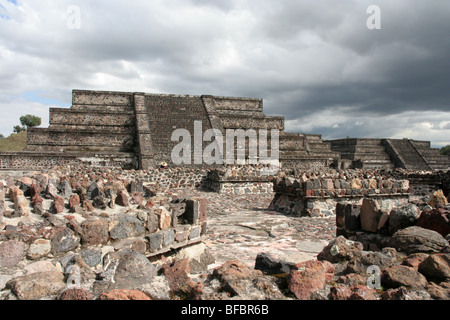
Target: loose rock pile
(90,230)
(87,235)
(382,218)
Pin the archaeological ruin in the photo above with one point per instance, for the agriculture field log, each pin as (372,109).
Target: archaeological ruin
(134,129)
(96,207)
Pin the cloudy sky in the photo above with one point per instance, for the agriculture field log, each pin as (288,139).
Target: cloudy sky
(317,63)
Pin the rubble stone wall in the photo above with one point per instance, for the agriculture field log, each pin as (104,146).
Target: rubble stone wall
(239,180)
(81,139)
(65,116)
(143,124)
(88,97)
(243,104)
(318,196)
(170,178)
(41,161)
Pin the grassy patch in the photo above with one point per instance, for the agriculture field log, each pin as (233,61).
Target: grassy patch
(15,142)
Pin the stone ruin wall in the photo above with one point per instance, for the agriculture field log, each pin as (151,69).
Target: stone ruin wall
(41,161)
(166,223)
(133,130)
(137,126)
(318,193)
(97,121)
(319,196)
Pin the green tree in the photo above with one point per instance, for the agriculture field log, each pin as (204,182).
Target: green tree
(30,121)
(18,129)
(445,150)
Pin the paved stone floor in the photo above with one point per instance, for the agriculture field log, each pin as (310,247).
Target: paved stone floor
(241,226)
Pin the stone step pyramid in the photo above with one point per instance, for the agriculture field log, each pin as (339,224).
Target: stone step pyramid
(140,126)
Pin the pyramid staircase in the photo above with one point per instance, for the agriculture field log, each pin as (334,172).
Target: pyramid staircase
(364,153)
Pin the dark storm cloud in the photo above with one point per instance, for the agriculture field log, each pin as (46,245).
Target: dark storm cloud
(314,62)
(404,66)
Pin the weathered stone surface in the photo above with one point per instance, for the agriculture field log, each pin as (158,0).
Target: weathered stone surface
(355,292)
(64,240)
(123,294)
(340,249)
(385,208)
(309,277)
(14,191)
(356,183)
(234,270)
(37,200)
(437,198)
(340,292)
(38,209)
(77,272)
(436,267)
(414,260)
(21,207)
(126,226)
(122,198)
(177,273)
(136,186)
(74,202)
(269,265)
(40,266)
(439,291)
(362,261)
(51,191)
(361,292)
(402,217)
(137,197)
(93,191)
(66,189)
(198,255)
(39,248)
(152,221)
(35,191)
(437,220)
(94,232)
(261,288)
(37,285)
(403,293)
(57,205)
(398,276)
(181,235)
(92,257)
(87,205)
(351,279)
(194,233)
(139,245)
(155,241)
(158,288)
(165,218)
(168,238)
(370,215)
(133,270)
(417,239)
(110,194)
(241,282)
(3,208)
(100,202)
(11,253)
(202,208)
(76,294)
